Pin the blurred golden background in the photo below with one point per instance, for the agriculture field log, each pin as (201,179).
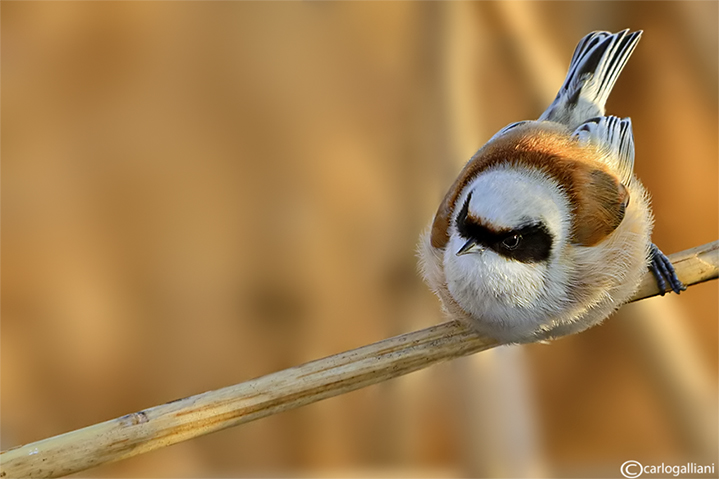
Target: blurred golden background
(195,194)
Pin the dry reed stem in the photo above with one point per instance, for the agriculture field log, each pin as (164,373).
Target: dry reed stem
(194,416)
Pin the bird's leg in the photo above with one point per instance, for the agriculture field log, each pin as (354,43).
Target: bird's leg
(663,271)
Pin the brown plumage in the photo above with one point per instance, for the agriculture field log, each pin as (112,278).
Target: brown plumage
(598,199)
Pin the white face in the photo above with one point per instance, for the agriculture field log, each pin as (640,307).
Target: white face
(492,281)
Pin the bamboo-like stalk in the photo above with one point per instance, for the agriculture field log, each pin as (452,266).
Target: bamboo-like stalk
(194,416)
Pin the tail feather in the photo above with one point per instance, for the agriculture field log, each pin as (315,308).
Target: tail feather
(596,64)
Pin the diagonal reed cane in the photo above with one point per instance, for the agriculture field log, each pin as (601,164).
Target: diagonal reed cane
(194,416)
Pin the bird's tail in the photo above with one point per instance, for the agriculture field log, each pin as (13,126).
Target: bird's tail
(596,64)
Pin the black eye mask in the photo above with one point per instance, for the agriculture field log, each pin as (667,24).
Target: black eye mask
(530,243)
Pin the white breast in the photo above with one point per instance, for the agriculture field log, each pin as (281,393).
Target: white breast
(511,297)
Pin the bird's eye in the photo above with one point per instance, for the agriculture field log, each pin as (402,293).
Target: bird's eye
(531,243)
(511,242)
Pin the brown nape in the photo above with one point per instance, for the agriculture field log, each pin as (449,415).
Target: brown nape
(597,197)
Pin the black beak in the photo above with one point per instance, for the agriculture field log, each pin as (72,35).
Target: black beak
(467,248)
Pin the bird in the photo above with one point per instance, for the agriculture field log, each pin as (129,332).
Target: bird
(546,231)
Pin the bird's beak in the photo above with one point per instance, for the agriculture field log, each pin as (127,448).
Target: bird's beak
(467,248)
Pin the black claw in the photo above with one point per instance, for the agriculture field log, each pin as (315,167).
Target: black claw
(656,269)
(663,271)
